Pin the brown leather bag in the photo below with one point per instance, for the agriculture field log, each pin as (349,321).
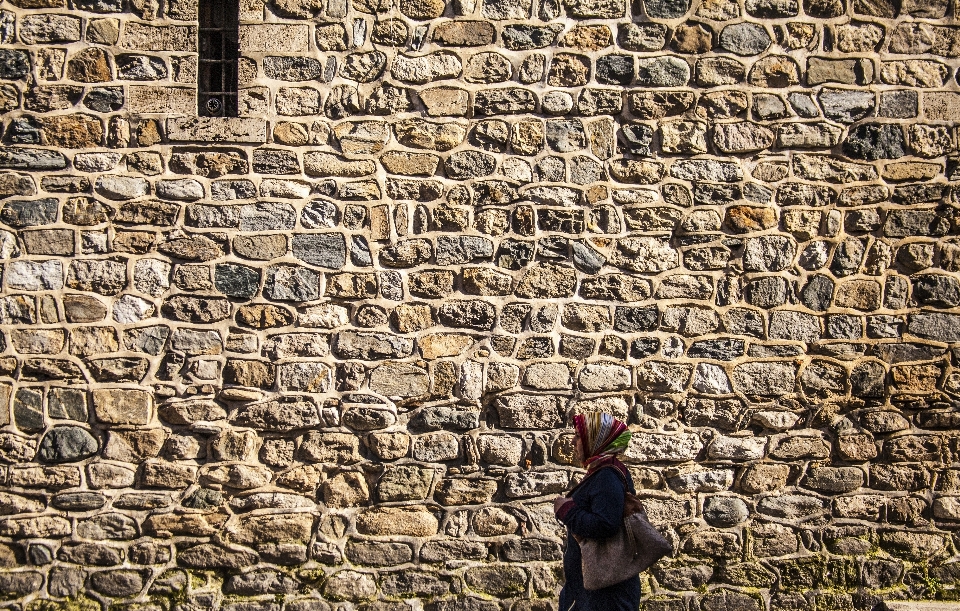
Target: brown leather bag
(634,549)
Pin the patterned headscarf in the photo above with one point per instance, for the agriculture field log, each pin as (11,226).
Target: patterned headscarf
(601,434)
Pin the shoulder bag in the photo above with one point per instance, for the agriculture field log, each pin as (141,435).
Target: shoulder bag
(634,549)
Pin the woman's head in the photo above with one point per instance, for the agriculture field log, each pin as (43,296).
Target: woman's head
(599,435)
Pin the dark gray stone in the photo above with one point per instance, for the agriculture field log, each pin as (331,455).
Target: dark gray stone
(470,314)
(65,581)
(514,254)
(450,417)
(772,9)
(391,285)
(267,216)
(843,326)
(566,135)
(745,38)
(140,68)
(67,444)
(292,68)
(119,583)
(768,106)
(104,99)
(15,585)
(464,165)
(28,410)
(507,101)
(529,549)
(319,214)
(615,69)
(635,319)
(817,293)
(292,283)
(322,249)
(15,158)
(867,379)
(67,403)
(935,325)
(937,290)
(920,222)
(360,252)
(77,501)
(636,138)
(873,141)
(30,213)
(862,221)
(902,104)
(725,511)
(885,326)
(666,9)
(262,581)
(663,71)
(523,37)
(804,105)
(847,257)
(724,349)
(585,258)
(766,292)
(549,169)
(275,161)
(14,64)
(814,256)
(39,554)
(236,280)
(462,249)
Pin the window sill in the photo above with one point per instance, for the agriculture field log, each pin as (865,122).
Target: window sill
(217,129)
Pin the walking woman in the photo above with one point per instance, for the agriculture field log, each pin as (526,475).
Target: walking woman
(594,510)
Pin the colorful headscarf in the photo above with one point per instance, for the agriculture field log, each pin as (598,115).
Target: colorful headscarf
(601,434)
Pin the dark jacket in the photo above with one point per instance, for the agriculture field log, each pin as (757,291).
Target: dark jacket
(596,513)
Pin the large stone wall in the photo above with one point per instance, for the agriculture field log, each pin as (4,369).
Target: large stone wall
(323,355)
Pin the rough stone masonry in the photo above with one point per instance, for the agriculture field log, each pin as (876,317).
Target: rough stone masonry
(322,356)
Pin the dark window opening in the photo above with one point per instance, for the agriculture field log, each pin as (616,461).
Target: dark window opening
(219,50)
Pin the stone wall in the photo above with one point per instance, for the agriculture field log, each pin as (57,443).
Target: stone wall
(323,355)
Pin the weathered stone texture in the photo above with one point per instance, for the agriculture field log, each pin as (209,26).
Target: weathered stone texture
(325,353)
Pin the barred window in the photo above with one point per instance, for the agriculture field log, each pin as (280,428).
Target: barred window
(217,86)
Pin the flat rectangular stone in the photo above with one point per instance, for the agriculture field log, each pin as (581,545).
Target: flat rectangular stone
(6,391)
(652,447)
(848,71)
(146,37)
(217,129)
(167,100)
(942,106)
(128,406)
(274,38)
(939,326)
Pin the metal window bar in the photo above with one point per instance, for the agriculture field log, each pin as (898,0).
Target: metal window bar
(219,52)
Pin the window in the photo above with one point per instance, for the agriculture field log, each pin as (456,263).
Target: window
(219,26)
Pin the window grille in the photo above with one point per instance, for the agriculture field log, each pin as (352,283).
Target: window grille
(219,50)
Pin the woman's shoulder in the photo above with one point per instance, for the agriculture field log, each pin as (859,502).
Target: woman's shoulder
(607,476)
